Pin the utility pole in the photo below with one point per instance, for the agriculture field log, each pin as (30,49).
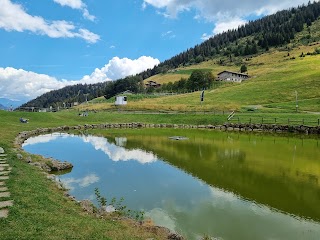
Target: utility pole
(86,95)
(201,97)
(297,101)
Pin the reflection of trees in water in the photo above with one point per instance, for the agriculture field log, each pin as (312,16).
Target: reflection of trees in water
(262,167)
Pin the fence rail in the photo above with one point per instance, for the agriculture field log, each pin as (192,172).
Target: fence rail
(281,121)
(197,112)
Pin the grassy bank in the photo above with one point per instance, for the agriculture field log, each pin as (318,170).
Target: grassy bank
(40,210)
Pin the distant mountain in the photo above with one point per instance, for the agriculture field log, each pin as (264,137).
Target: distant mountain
(2,107)
(279,29)
(7,103)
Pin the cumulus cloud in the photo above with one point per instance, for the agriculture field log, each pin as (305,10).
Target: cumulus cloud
(121,67)
(77,4)
(226,14)
(14,18)
(224,26)
(214,9)
(21,84)
(26,85)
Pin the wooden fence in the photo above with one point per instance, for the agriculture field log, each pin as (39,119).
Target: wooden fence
(279,121)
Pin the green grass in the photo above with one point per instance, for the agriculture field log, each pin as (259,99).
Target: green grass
(40,209)
(190,70)
(275,78)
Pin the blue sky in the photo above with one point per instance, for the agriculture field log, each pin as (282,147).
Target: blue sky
(49,44)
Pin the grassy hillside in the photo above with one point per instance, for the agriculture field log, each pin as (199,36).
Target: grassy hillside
(275,76)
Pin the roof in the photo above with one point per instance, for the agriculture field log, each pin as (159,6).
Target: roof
(225,71)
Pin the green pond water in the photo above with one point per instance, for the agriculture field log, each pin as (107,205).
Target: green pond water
(225,185)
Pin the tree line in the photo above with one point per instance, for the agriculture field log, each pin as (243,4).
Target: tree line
(198,80)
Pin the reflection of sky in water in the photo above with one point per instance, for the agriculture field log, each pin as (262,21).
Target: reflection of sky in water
(171,197)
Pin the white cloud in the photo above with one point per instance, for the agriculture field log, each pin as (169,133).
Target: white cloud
(168,35)
(121,67)
(87,15)
(214,9)
(26,85)
(226,14)
(77,4)
(14,18)
(21,84)
(225,26)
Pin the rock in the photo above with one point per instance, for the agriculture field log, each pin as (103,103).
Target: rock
(175,236)
(36,164)
(55,165)
(1,150)
(87,206)
(28,160)
(110,209)
(19,156)
(51,177)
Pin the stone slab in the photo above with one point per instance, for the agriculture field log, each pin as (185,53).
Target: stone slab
(6,204)
(4,194)
(3,155)
(3,162)
(3,189)
(4,173)
(4,178)
(2,183)
(4,165)
(2,169)
(1,150)
(3,159)
(4,213)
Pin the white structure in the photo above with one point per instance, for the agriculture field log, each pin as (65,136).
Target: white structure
(121,100)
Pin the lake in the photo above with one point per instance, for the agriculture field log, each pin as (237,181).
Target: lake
(227,185)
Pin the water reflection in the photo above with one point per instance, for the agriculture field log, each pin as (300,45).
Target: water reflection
(115,152)
(74,183)
(223,185)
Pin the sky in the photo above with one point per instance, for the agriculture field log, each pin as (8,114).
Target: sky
(49,44)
